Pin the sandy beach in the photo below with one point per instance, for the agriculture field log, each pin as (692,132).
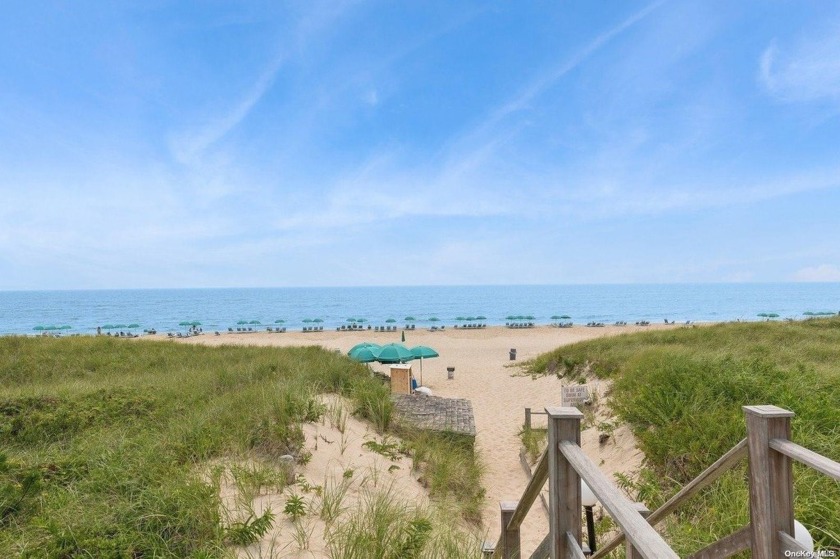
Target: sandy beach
(486,376)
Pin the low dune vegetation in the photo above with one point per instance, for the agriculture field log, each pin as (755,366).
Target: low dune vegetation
(103,443)
(682,392)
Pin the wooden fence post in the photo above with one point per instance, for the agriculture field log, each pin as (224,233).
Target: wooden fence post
(528,418)
(563,481)
(631,551)
(771,479)
(510,538)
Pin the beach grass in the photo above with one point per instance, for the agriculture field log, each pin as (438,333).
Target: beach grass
(682,392)
(106,443)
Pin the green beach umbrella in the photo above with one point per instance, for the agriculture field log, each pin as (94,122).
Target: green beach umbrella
(242,322)
(409,319)
(40,328)
(763,314)
(307,320)
(195,323)
(108,327)
(470,318)
(280,321)
(133,325)
(434,319)
(529,317)
(351,320)
(65,327)
(361,320)
(555,317)
(423,352)
(317,320)
(394,353)
(390,320)
(254,322)
(565,317)
(363,345)
(772,315)
(510,317)
(364,354)
(185,323)
(481,317)
(461,318)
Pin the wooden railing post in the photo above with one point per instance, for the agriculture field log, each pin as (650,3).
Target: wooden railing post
(510,538)
(563,481)
(632,553)
(528,418)
(771,479)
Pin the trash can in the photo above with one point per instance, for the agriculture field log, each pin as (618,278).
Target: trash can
(450,373)
(513,354)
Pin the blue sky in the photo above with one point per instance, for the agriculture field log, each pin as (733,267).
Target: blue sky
(198,144)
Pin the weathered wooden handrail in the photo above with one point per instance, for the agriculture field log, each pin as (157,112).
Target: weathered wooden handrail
(768,535)
(706,478)
(529,496)
(810,458)
(641,535)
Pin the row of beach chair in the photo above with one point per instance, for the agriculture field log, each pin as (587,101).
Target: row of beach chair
(519,324)
(562,324)
(313,328)
(277,330)
(595,324)
(471,326)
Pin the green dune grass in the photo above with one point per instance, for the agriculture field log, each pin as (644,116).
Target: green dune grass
(102,441)
(682,391)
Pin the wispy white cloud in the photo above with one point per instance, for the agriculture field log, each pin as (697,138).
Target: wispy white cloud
(188,147)
(808,71)
(821,272)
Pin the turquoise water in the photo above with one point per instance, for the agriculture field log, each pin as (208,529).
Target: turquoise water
(218,309)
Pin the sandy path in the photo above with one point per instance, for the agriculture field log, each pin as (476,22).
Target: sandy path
(483,375)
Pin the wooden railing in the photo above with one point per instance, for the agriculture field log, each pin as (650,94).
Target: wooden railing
(768,535)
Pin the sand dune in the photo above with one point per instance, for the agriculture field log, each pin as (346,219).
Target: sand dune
(485,376)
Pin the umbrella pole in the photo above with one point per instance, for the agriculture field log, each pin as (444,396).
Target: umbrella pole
(421,371)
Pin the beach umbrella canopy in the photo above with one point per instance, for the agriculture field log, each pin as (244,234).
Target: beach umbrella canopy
(481,317)
(529,317)
(194,323)
(106,327)
(182,323)
(394,353)
(390,320)
(361,320)
(351,320)
(470,318)
(307,320)
(65,327)
(279,321)
(364,345)
(242,322)
(40,328)
(423,351)
(434,319)
(317,320)
(555,317)
(133,325)
(364,354)
(409,319)
(565,317)
(254,322)
(460,318)
(763,314)
(772,315)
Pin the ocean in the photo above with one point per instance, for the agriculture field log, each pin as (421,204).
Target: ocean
(218,309)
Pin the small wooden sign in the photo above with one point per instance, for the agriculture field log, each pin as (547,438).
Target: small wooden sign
(574,395)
